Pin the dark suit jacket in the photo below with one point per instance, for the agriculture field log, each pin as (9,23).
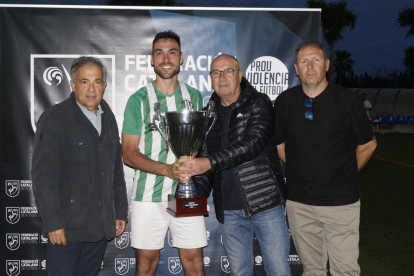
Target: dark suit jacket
(78,177)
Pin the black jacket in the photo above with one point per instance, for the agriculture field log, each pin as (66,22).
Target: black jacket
(246,147)
(77,175)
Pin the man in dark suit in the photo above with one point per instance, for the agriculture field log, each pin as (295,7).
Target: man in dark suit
(77,174)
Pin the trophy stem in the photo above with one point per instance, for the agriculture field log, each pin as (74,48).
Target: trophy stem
(186,189)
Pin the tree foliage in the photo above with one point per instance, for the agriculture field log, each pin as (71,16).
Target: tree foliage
(381,78)
(335,17)
(406,19)
(143,3)
(343,65)
(409,58)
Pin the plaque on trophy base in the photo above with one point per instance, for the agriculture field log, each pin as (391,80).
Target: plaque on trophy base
(185,132)
(184,207)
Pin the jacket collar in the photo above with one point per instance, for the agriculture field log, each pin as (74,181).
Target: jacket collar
(108,117)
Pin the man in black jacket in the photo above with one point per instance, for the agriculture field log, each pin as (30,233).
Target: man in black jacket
(243,169)
(77,174)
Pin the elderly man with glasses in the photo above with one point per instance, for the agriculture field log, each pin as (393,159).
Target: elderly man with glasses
(241,165)
(324,136)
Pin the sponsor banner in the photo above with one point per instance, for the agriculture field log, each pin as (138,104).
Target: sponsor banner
(29,265)
(121,266)
(122,241)
(43,265)
(174,265)
(13,215)
(258,260)
(12,188)
(268,75)
(14,240)
(225,264)
(294,260)
(206,261)
(38,46)
(13,267)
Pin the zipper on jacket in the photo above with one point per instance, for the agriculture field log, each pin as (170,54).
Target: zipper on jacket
(235,170)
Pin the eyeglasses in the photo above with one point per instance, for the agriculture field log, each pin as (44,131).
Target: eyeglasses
(226,72)
(309,112)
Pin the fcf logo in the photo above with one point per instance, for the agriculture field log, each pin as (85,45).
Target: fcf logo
(122,241)
(12,188)
(121,266)
(12,241)
(174,265)
(12,214)
(12,267)
(225,264)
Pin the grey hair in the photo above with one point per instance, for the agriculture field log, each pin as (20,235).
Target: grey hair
(81,61)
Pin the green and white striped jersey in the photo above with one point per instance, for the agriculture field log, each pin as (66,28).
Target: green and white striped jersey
(137,121)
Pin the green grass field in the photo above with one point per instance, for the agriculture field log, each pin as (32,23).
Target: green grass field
(387,210)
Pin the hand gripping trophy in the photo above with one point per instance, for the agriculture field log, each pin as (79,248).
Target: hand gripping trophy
(185,132)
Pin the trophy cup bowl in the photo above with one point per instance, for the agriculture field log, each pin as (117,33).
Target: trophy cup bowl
(185,132)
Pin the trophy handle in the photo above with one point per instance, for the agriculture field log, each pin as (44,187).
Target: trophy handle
(156,117)
(211,113)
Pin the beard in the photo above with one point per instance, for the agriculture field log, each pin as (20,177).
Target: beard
(166,75)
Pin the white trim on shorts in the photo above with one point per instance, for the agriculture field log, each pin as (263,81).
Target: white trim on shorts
(150,222)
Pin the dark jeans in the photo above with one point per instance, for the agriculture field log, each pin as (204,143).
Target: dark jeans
(76,258)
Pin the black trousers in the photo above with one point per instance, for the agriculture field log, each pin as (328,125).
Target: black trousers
(76,258)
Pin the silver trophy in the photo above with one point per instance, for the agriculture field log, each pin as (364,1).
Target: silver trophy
(185,132)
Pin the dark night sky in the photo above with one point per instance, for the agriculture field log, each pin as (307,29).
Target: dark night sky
(376,40)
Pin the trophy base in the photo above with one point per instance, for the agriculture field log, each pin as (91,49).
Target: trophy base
(186,207)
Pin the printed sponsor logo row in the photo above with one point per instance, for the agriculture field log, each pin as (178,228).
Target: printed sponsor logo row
(121,265)
(14,187)
(14,214)
(14,240)
(14,267)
